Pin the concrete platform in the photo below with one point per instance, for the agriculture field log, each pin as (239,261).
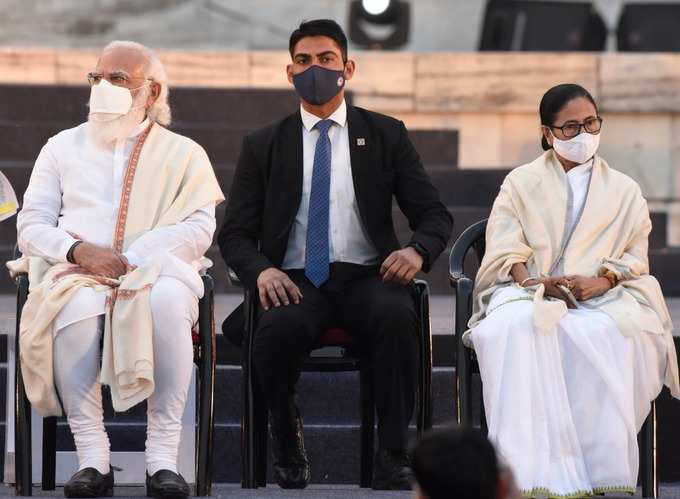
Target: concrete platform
(667,491)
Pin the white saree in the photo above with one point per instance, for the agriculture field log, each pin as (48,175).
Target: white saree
(566,391)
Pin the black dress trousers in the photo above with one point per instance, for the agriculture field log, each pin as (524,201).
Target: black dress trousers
(380,316)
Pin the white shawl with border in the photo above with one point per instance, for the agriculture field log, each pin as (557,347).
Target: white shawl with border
(527,225)
(167,178)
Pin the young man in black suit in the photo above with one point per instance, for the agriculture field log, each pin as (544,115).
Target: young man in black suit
(309,226)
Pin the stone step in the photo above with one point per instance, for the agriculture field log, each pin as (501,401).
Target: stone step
(339,465)
(325,399)
(67,105)
(216,118)
(664,266)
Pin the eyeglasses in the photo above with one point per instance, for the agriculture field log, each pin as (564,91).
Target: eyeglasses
(570,130)
(118,78)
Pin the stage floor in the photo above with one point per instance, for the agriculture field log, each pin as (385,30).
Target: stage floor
(670,491)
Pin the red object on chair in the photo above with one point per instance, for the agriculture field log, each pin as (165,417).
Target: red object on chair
(335,337)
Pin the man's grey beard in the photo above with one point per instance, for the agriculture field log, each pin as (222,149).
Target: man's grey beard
(104,133)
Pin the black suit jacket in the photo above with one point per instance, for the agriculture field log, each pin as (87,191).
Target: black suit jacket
(267,188)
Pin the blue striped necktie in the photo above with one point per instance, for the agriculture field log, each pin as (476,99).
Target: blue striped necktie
(317,251)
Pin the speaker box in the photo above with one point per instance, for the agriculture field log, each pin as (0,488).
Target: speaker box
(649,28)
(513,25)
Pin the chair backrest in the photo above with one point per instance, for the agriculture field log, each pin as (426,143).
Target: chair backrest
(472,238)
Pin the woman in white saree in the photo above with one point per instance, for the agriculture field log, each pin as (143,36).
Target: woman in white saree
(572,334)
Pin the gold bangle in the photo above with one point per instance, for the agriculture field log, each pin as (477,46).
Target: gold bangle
(521,284)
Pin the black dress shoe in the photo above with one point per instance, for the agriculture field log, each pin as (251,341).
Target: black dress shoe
(291,466)
(88,482)
(392,470)
(166,483)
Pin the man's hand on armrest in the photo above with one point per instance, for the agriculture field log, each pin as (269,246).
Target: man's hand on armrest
(401,266)
(276,288)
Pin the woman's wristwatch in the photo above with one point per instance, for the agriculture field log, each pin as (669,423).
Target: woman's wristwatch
(611,277)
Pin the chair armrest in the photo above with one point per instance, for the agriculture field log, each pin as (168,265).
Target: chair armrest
(21,280)
(233,278)
(208,282)
(455,278)
(460,248)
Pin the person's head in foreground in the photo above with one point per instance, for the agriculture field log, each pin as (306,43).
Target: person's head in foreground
(459,463)
(128,84)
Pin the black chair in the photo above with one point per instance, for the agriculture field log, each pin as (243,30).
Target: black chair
(473,238)
(254,417)
(204,358)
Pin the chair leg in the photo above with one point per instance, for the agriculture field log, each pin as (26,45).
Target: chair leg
(22,411)
(261,427)
(206,395)
(248,410)
(482,414)
(367,398)
(49,453)
(424,417)
(22,439)
(648,465)
(248,446)
(463,355)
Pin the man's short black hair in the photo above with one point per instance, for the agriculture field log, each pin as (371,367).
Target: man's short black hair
(458,463)
(320,27)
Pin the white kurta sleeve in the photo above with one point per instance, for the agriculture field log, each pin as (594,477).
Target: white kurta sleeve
(37,231)
(187,240)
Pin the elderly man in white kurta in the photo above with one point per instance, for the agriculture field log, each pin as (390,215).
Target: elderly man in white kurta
(117,200)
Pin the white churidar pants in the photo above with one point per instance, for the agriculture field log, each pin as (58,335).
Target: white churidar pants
(77,355)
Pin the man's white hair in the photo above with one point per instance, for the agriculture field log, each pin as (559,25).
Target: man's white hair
(160,110)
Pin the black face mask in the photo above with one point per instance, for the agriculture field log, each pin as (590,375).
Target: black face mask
(318,85)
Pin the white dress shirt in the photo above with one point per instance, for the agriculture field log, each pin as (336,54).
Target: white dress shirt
(348,241)
(74,193)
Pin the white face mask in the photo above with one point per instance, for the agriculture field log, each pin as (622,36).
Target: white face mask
(109,102)
(578,149)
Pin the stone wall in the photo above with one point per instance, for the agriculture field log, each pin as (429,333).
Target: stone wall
(492,99)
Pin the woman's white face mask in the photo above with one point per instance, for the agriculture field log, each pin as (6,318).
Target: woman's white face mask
(578,149)
(108,102)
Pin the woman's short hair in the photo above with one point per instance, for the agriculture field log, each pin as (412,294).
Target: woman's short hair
(555,99)
(455,462)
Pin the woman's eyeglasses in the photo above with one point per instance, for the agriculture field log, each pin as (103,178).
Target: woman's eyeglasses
(572,129)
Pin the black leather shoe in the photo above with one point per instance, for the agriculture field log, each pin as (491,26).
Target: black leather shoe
(391,470)
(88,482)
(166,484)
(291,466)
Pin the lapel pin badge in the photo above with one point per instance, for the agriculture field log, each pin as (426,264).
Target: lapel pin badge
(361,141)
